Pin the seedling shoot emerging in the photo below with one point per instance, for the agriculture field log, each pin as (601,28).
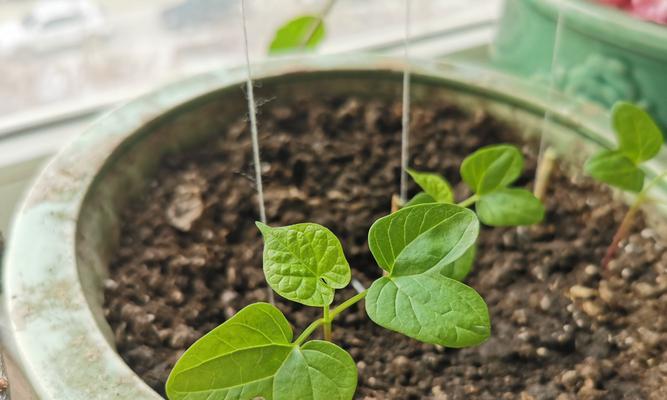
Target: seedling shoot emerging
(639,140)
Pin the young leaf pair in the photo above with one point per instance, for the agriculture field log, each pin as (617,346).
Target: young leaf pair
(254,354)
(488,172)
(305,263)
(639,140)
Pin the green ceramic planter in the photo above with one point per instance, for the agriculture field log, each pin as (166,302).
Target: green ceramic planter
(68,226)
(604,55)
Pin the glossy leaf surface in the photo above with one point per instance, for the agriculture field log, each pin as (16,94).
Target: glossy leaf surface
(459,269)
(236,360)
(419,238)
(318,370)
(614,168)
(639,138)
(434,185)
(430,308)
(492,167)
(304,263)
(509,207)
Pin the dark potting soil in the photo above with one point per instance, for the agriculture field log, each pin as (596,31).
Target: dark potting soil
(190,257)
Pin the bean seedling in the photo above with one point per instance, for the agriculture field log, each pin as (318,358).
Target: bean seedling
(424,250)
(488,172)
(253,354)
(639,140)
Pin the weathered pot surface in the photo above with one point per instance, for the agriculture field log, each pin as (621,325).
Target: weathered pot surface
(68,225)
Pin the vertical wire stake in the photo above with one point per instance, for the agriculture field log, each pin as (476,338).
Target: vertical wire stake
(405,128)
(252,112)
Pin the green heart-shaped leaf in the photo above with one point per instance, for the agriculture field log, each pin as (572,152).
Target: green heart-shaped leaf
(304,263)
(616,169)
(236,360)
(420,198)
(460,268)
(317,371)
(639,138)
(430,308)
(434,185)
(418,238)
(509,207)
(420,246)
(304,32)
(492,167)
(251,355)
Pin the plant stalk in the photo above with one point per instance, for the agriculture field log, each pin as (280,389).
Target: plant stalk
(626,223)
(326,327)
(333,314)
(308,331)
(348,303)
(621,232)
(469,201)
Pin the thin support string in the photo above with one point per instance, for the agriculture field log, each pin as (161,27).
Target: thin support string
(252,112)
(318,22)
(543,151)
(405,128)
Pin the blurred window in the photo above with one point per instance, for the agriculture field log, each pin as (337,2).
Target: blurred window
(29,21)
(62,22)
(63,62)
(58,56)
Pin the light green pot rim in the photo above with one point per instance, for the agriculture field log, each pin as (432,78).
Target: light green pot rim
(50,327)
(608,24)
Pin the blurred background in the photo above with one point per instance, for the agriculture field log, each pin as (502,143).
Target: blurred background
(68,50)
(63,62)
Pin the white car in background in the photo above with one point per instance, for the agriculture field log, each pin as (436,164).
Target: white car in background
(53,26)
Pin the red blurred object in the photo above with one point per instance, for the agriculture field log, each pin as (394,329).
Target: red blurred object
(618,3)
(650,10)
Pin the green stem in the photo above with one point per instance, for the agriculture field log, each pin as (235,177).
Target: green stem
(348,303)
(469,201)
(327,323)
(308,331)
(333,314)
(653,200)
(621,232)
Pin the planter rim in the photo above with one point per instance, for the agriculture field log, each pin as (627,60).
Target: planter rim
(605,23)
(51,328)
